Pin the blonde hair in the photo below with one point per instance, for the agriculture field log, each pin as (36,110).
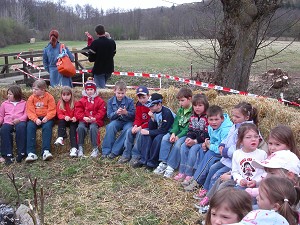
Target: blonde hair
(121,85)
(40,84)
(66,89)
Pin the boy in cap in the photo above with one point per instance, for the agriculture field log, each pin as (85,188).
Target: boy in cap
(140,122)
(148,143)
(90,111)
(121,112)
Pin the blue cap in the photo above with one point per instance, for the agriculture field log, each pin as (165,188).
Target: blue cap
(142,90)
(155,98)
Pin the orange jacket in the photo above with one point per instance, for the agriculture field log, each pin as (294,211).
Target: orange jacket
(41,106)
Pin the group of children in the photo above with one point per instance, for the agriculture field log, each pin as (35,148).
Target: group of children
(227,158)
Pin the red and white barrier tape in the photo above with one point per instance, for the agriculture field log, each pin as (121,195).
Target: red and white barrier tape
(175,78)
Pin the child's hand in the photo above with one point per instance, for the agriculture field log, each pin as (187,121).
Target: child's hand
(251,184)
(243,183)
(221,149)
(204,148)
(16,121)
(45,120)
(92,119)
(151,114)
(38,122)
(144,131)
(74,119)
(124,111)
(134,129)
(67,118)
(172,138)
(189,142)
(225,177)
(207,143)
(86,119)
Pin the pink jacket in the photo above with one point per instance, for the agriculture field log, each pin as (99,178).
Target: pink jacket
(9,112)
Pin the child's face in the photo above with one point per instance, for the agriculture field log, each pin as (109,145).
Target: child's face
(66,96)
(263,201)
(185,102)
(274,145)
(143,99)
(238,117)
(223,215)
(199,108)
(120,94)
(215,121)
(250,141)
(10,96)
(155,108)
(37,91)
(90,91)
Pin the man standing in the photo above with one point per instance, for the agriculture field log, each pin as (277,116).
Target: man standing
(102,54)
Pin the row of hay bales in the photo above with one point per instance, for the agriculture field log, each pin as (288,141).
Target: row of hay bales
(271,112)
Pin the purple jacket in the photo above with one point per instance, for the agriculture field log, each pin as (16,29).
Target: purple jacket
(9,112)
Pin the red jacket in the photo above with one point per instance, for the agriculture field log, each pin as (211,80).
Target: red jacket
(95,108)
(141,115)
(61,114)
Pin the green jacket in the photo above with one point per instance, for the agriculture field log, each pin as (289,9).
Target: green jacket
(181,122)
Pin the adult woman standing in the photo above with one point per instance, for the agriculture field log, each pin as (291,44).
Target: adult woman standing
(51,52)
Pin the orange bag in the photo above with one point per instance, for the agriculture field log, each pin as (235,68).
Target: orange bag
(64,64)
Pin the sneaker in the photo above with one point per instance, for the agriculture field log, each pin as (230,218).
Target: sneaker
(123,160)
(80,152)
(204,209)
(47,155)
(204,201)
(133,161)
(169,172)
(20,157)
(104,156)
(200,195)
(9,160)
(137,164)
(180,177)
(192,187)
(31,157)
(95,153)
(160,169)
(73,152)
(59,141)
(112,156)
(187,181)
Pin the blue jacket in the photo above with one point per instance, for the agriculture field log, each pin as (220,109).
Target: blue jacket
(218,135)
(112,107)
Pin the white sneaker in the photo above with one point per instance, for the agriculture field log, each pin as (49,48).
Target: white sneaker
(169,172)
(59,141)
(80,152)
(95,153)
(31,157)
(73,152)
(47,155)
(161,168)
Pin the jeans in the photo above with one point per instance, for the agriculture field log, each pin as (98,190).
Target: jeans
(82,130)
(174,156)
(208,160)
(7,138)
(188,158)
(214,173)
(46,136)
(129,150)
(100,79)
(110,143)
(61,131)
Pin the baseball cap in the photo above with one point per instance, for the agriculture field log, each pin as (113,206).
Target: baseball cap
(155,98)
(284,159)
(262,217)
(142,90)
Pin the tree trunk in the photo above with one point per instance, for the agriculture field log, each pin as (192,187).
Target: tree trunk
(238,39)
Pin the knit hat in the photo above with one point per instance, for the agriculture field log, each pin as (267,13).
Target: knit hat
(263,217)
(90,84)
(155,98)
(284,159)
(142,90)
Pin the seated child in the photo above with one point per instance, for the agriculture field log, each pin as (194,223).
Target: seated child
(121,112)
(148,142)
(41,110)
(169,154)
(140,122)
(90,111)
(13,117)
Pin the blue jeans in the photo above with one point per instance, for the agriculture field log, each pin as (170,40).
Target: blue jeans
(174,156)
(46,136)
(100,79)
(129,150)
(208,160)
(214,173)
(7,138)
(110,143)
(188,158)
(82,130)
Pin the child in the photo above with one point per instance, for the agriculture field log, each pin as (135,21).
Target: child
(148,142)
(121,112)
(280,195)
(41,110)
(90,111)
(13,117)
(219,126)
(196,135)
(140,122)
(241,113)
(228,205)
(65,113)
(169,154)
